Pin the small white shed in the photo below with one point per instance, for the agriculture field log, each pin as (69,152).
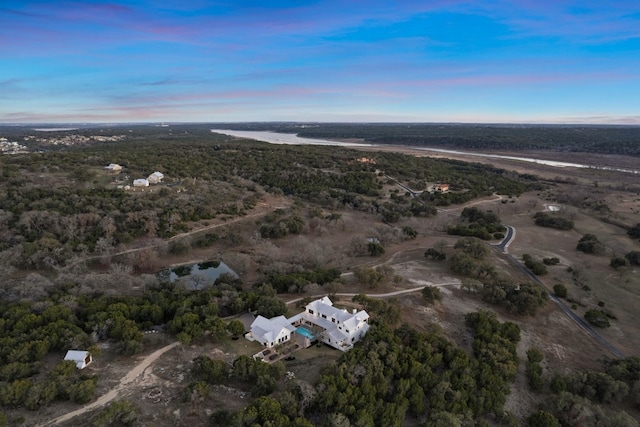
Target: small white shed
(140,182)
(80,357)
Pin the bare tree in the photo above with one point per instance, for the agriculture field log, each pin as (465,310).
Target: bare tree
(144,259)
(33,287)
(199,281)
(440,245)
(69,227)
(104,245)
(173,220)
(108,226)
(146,281)
(358,246)
(309,253)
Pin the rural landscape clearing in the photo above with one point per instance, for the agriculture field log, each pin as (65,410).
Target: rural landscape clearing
(319,213)
(439,251)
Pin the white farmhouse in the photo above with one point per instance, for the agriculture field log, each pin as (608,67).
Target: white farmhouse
(271,332)
(80,357)
(155,178)
(320,320)
(140,182)
(341,329)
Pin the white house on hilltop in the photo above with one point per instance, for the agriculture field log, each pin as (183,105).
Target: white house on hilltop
(155,178)
(342,329)
(140,182)
(320,320)
(113,167)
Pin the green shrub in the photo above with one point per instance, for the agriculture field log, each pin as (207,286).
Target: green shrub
(597,318)
(560,290)
(431,294)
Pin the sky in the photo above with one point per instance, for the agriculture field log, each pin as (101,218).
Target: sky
(484,61)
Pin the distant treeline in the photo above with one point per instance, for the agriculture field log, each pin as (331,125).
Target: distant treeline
(564,138)
(598,139)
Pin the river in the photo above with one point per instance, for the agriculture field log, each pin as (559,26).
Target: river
(291,139)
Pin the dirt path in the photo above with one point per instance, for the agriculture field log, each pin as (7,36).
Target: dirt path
(263,209)
(114,392)
(384,295)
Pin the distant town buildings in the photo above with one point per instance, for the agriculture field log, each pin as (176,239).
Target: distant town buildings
(11,147)
(366,160)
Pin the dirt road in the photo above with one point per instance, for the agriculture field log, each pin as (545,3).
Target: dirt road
(113,393)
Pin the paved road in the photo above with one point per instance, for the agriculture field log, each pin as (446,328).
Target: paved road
(508,238)
(414,193)
(584,325)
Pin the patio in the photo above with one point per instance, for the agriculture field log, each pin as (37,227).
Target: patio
(279,352)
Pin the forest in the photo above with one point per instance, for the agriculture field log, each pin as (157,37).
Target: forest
(396,373)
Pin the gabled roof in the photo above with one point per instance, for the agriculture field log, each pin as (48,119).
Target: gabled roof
(341,327)
(78,356)
(354,320)
(325,306)
(269,329)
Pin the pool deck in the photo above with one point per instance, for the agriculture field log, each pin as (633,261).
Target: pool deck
(306,332)
(271,355)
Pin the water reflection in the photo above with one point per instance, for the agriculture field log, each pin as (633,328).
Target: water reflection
(197,276)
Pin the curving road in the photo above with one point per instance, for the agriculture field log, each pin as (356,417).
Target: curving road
(508,238)
(582,324)
(384,295)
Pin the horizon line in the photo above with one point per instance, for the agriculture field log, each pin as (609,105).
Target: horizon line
(168,123)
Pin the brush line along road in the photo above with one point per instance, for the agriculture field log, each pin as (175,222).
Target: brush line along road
(502,246)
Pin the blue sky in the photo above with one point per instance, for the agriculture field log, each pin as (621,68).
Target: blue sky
(345,60)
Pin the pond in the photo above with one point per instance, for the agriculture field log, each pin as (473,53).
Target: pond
(197,276)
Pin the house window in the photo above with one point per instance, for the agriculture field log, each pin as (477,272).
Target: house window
(333,320)
(324,316)
(310,311)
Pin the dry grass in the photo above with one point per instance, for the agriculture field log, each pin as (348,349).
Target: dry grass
(565,346)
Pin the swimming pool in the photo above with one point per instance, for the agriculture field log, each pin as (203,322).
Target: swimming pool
(305,332)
